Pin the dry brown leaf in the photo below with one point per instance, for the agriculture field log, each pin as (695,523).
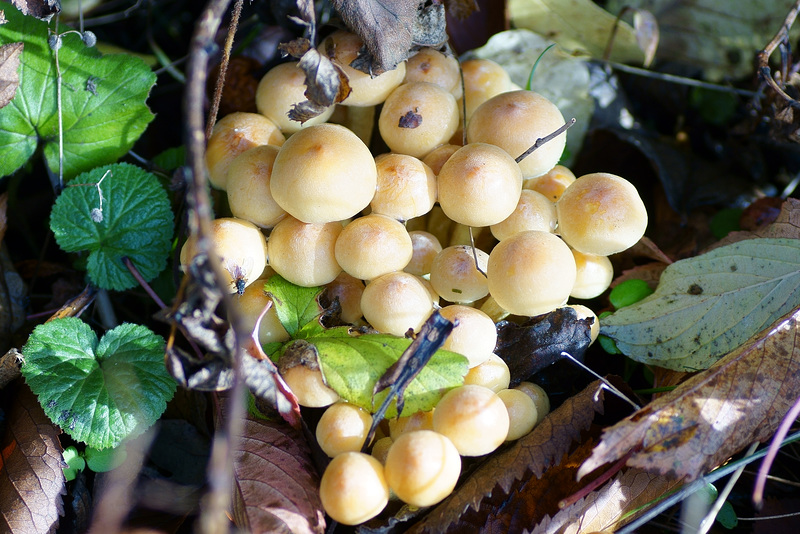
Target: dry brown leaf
(603,509)
(786,225)
(649,272)
(9,71)
(714,414)
(532,455)
(277,487)
(31,479)
(387,28)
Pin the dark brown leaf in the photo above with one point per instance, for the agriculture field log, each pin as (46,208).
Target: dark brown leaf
(715,413)
(528,457)
(41,9)
(326,85)
(9,71)
(31,480)
(537,343)
(461,9)
(277,487)
(387,29)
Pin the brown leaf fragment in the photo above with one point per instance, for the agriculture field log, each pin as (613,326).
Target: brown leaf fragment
(607,508)
(461,9)
(411,119)
(277,487)
(528,457)
(326,85)
(647,35)
(387,29)
(41,9)
(786,225)
(10,363)
(31,479)
(9,71)
(649,272)
(715,413)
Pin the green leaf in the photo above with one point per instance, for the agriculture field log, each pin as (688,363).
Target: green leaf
(102,460)
(629,292)
(706,306)
(136,222)
(296,306)
(75,463)
(98,392)
(103,100)
(352,364)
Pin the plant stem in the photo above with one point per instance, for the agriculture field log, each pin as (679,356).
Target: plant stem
(136,274)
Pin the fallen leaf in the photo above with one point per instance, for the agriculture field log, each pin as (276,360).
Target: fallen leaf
(41,9)
(326,85)
(786,225)
(646,27)
(277,486)
(527,458)
(538,342)
(385,27)
(9,71)
(714,414)
(649,272)
(608,508)
(31,480)
(577,25)
(713,34)
(706,306)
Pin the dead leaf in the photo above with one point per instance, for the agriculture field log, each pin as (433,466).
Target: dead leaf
(649,272)
(41,9)
(605,508)
(714,414)
(538,342)
(461,9)
(31,479)
(326,85)
(646,27)
(387,29)
(277,487)
(9,72)
(786,225)
(527,458)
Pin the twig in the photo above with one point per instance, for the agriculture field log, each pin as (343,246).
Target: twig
(682,80)
(542,140)
(708,520)
(142,282)
(772,452)
(223,67)
(763,56)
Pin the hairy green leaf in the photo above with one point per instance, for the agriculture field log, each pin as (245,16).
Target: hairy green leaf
(706,306)
(352,364)
(103,100)
(98,392)
(134,221)
(296,306)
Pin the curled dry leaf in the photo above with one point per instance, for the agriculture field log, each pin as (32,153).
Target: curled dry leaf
(31,479)
(607,508)
(714,414)
(9,71)
(532,455)
(276,483)
(786,225)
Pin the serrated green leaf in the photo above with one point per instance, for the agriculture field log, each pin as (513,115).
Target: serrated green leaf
(352,364)
(296,306)
(103,100)
(706,306)
(137,223)
(98,392)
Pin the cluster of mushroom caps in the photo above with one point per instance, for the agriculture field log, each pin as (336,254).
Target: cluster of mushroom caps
(389,235)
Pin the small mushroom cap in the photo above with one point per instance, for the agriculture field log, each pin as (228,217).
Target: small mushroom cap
(602,214)
(324,173)
(531,273)
(514,121)
(279,90)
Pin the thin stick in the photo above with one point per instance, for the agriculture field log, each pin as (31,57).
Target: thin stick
(58,110)
(763,57)
(223,67)
(139,278)
(542,140)
(708,520)
(606,384)
(681,80)
(475,253)
(772,453)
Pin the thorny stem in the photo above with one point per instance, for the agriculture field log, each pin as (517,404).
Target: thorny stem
(542,140)
(142,282)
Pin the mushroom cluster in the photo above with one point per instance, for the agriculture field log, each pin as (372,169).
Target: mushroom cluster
(470,228)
